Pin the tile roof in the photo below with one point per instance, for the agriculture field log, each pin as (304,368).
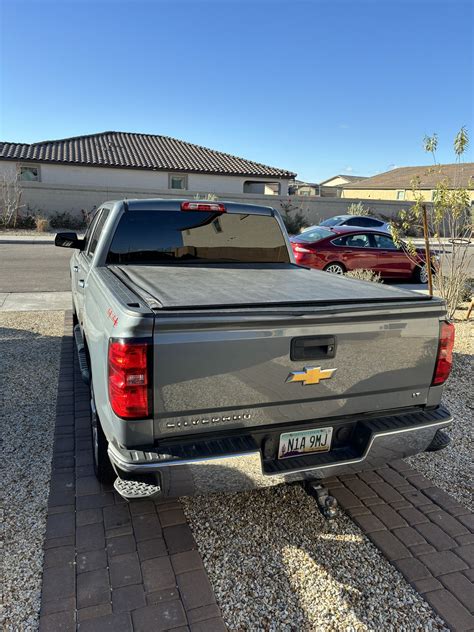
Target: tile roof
(138,151)
(401,178)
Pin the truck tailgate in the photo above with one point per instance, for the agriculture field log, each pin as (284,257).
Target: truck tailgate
(233,372)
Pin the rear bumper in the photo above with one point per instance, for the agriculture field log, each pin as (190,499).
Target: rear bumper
(235,464)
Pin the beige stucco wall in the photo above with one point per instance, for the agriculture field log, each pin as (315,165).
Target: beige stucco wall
(387,194)
(131,179)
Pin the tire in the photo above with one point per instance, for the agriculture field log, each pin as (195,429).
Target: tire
(102,467)
(335,268)
(75,320)
(420,274)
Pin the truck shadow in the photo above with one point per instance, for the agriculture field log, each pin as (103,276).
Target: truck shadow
(274,551)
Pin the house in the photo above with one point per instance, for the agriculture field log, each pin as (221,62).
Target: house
(81,172)
(397,183)
(327,188)
(304,188)
(339,180)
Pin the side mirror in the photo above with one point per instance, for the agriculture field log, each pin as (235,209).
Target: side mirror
(68,240)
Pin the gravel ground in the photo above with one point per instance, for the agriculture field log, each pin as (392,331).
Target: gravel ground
(276,564)
(29,358)
(452,468)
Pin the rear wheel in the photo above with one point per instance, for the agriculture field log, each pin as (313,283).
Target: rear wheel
(102,467)
(420,274)
(335,268)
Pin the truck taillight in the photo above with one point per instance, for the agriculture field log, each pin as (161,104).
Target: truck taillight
(444,361)
(129,378)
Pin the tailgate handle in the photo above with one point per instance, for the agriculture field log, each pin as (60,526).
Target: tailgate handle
(313,348)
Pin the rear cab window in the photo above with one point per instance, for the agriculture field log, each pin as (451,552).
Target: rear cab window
(96,232)
(177,237)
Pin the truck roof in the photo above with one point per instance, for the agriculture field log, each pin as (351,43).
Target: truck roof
(162,204)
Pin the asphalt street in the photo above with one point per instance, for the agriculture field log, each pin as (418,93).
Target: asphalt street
(41,267)
(34,268)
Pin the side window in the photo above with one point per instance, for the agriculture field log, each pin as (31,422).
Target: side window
(385,242)
(97,232)
(355,221)
(358,241)
(90,230)
(340,241)
(371,223)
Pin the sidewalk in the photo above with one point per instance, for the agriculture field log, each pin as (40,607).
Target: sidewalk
(34,301)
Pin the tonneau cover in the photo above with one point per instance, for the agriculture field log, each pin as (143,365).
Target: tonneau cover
(193,286)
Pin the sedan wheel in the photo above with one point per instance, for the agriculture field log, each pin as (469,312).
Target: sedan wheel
(424,274)
(334,268)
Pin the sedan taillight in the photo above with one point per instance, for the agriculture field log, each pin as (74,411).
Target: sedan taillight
(301,249)
(129,378)
(444,360)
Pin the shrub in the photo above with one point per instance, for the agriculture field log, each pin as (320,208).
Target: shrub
(403,228)
(364,275)
(293,218)
(66,220)
(466,291)
(20,221)
(42,224)
(209,197)
(358,208)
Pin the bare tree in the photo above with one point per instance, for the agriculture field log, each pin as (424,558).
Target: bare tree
(10,197)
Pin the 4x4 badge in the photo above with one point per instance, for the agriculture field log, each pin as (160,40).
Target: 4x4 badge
(310,375)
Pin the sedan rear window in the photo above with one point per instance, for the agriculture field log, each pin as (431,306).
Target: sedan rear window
(314,234)
(194,236)
(332,221)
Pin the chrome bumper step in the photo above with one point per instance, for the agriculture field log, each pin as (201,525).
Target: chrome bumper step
(235,463)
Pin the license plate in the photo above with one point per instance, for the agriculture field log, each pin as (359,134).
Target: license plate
(304,442)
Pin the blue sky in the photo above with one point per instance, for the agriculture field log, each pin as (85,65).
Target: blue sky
(319,87)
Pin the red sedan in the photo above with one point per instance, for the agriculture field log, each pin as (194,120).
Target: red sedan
(343,248)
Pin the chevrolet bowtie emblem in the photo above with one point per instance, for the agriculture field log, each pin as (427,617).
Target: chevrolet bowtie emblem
(311,375)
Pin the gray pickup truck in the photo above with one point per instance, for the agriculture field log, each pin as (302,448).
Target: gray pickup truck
(218,364)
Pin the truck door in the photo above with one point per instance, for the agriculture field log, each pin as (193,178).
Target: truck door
(84,260)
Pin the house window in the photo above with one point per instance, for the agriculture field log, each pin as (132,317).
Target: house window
(30,174)
(262,187)
(177,181)
(400,195)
